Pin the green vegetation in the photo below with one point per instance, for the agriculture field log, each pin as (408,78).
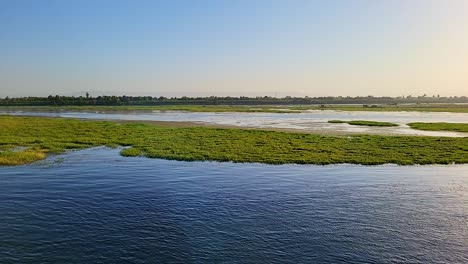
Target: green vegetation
(55,135)
(131,152)
(89,100)
(458,127)
(21,157)
(453,108)
(337,121)
(364,123)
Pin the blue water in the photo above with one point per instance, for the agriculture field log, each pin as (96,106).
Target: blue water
(97,207)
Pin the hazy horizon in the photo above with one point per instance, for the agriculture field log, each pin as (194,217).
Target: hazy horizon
(234,48)
(94,94)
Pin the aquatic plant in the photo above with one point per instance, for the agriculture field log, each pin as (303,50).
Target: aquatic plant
(56,135)
(364,123)
(441,126)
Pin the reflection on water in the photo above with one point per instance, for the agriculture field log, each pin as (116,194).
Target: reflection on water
(313,120)
(97,207)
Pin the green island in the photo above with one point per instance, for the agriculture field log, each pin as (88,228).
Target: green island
(27,139)
(440,126)
(363,123)
(452,108)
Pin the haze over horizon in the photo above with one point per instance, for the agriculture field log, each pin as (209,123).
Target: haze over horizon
(234,48)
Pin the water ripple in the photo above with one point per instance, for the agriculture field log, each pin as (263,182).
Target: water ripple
(98,207)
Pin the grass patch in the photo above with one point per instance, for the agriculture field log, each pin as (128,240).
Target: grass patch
(364,123)
(452,108)
(457,127)
(131,152)
(337,122)
(10,158)
(55,135)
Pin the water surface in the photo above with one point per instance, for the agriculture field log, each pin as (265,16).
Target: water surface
(97,207)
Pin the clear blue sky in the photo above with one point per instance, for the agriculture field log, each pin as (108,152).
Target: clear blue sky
(236,47)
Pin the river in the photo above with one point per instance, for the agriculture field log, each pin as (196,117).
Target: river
(94,206)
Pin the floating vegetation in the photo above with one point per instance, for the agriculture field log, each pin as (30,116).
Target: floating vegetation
(457,127)
(364,123)
(56,135)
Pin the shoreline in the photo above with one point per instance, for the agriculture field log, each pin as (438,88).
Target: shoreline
(50,159)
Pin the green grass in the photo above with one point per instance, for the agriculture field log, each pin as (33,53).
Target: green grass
(364,123)
(458,127)
(21,157)
(131,152)
(55,135)
(453,108)
(337,122)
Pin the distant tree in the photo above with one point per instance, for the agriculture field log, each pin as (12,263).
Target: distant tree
(366,101)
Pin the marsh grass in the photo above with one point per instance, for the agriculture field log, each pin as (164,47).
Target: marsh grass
(451,108)
(10,158)
(56,135)
(364,123)
(457,127)
(131,152)
(337,122)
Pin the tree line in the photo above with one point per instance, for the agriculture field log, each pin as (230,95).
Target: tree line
(58,100)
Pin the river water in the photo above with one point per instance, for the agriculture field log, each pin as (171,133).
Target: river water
(309,121)
(94,206)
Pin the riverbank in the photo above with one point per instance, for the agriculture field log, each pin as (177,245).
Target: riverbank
(449,108)
(55,135)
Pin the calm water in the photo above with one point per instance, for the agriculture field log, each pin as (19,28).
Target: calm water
(313,121)
(97,207)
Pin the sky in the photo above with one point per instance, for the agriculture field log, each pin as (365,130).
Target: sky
(234,47)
